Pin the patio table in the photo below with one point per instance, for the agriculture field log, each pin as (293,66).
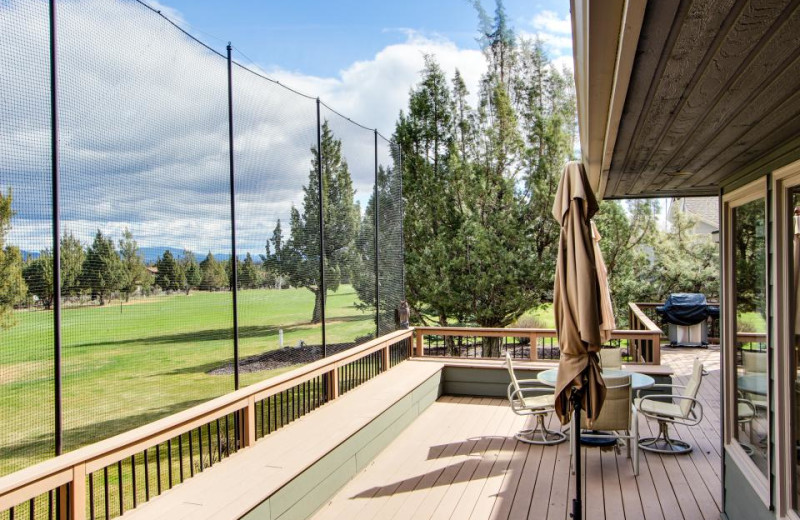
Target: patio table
(638,381)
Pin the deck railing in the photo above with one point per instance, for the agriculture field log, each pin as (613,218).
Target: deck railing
(640,346)
(107,478)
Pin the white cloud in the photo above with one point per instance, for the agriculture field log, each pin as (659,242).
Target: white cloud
(143,123)
(550,22)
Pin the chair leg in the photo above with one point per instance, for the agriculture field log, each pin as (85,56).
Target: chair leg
(663,443)
(540,434)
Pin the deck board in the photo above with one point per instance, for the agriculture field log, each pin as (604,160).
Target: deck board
(460,460)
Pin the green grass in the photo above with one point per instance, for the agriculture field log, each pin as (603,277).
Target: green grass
(127,365)
(751,322)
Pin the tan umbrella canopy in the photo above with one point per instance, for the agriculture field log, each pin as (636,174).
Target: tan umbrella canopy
(577,296)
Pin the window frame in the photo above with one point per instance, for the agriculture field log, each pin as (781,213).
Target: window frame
(730,201)
(784,182)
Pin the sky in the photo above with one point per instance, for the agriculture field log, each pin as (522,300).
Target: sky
(143,108)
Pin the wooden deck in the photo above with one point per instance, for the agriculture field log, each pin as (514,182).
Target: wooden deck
(460,460)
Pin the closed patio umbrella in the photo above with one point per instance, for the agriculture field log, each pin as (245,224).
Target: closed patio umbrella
(578,309)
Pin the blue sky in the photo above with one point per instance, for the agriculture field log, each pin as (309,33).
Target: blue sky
(322,38)
(143,108)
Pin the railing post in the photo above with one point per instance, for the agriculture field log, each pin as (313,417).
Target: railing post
(385,357)
(418,335)
(333,384)
(656,349)
(249,423)
(62,502)
(77,493)
(534,353)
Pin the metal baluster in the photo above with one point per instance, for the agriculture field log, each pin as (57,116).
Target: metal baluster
(169,456)
(200,446)
(227,437)
(133,479)
(210,446)
(158,469)
(91,497)
(219,442)
(191,455)
(119,488)
(146,477)
(180,457)
(105,491)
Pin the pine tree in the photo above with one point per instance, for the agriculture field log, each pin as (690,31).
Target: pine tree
(38,275)
(248,273)
(301,254)
(214,275)
(191,270)
(12,285)
(170,276)
(72,258)
(101,274)
(133,273)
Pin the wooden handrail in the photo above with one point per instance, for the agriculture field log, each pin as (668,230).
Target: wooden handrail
(35,480)
(642,318)
(651,334)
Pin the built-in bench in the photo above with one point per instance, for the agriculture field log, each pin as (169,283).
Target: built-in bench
(489,377)
(293,471)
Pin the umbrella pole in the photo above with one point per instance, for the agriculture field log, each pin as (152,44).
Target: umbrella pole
(577,503)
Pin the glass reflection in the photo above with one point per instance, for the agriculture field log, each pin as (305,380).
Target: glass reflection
(749,252)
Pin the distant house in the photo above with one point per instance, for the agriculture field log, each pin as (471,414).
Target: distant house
(704,210)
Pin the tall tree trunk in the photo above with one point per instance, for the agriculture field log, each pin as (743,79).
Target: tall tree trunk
(491,347)
(316,317)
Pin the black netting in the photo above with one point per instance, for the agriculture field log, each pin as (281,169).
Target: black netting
(145,188)
(348,158)
(26,237)
(147,233)
(277,225)
(391,292)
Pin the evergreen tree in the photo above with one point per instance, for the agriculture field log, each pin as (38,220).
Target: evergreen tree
(248,273)
(480,183)
(214,275)
(301,254)
(170,276)
(191,270)
(12,285)
(133,274)
(38,275)
(72,258)
(101,274)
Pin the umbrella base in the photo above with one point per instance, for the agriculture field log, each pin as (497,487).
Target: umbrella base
(540,434)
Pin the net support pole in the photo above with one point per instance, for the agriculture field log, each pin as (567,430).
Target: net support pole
(234,259)
(54,158)
(402,222)
(375,238)
(322,285)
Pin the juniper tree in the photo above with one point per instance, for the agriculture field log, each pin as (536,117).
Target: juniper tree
(133,273)
(12,285)
(301,254)
(191,270)
(101,274)
(170,275)
(72,257)
(214,275)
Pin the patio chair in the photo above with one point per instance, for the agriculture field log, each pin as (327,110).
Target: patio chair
(755,363)
(534,398)
(745,415)
(664,409)
(619,417)
(611,358)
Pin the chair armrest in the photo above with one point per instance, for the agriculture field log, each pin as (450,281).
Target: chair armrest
(656,386)
(674,419)
(749,404)
(515,395)
(533,382)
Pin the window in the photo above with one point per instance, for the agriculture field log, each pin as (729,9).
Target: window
(748,300)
